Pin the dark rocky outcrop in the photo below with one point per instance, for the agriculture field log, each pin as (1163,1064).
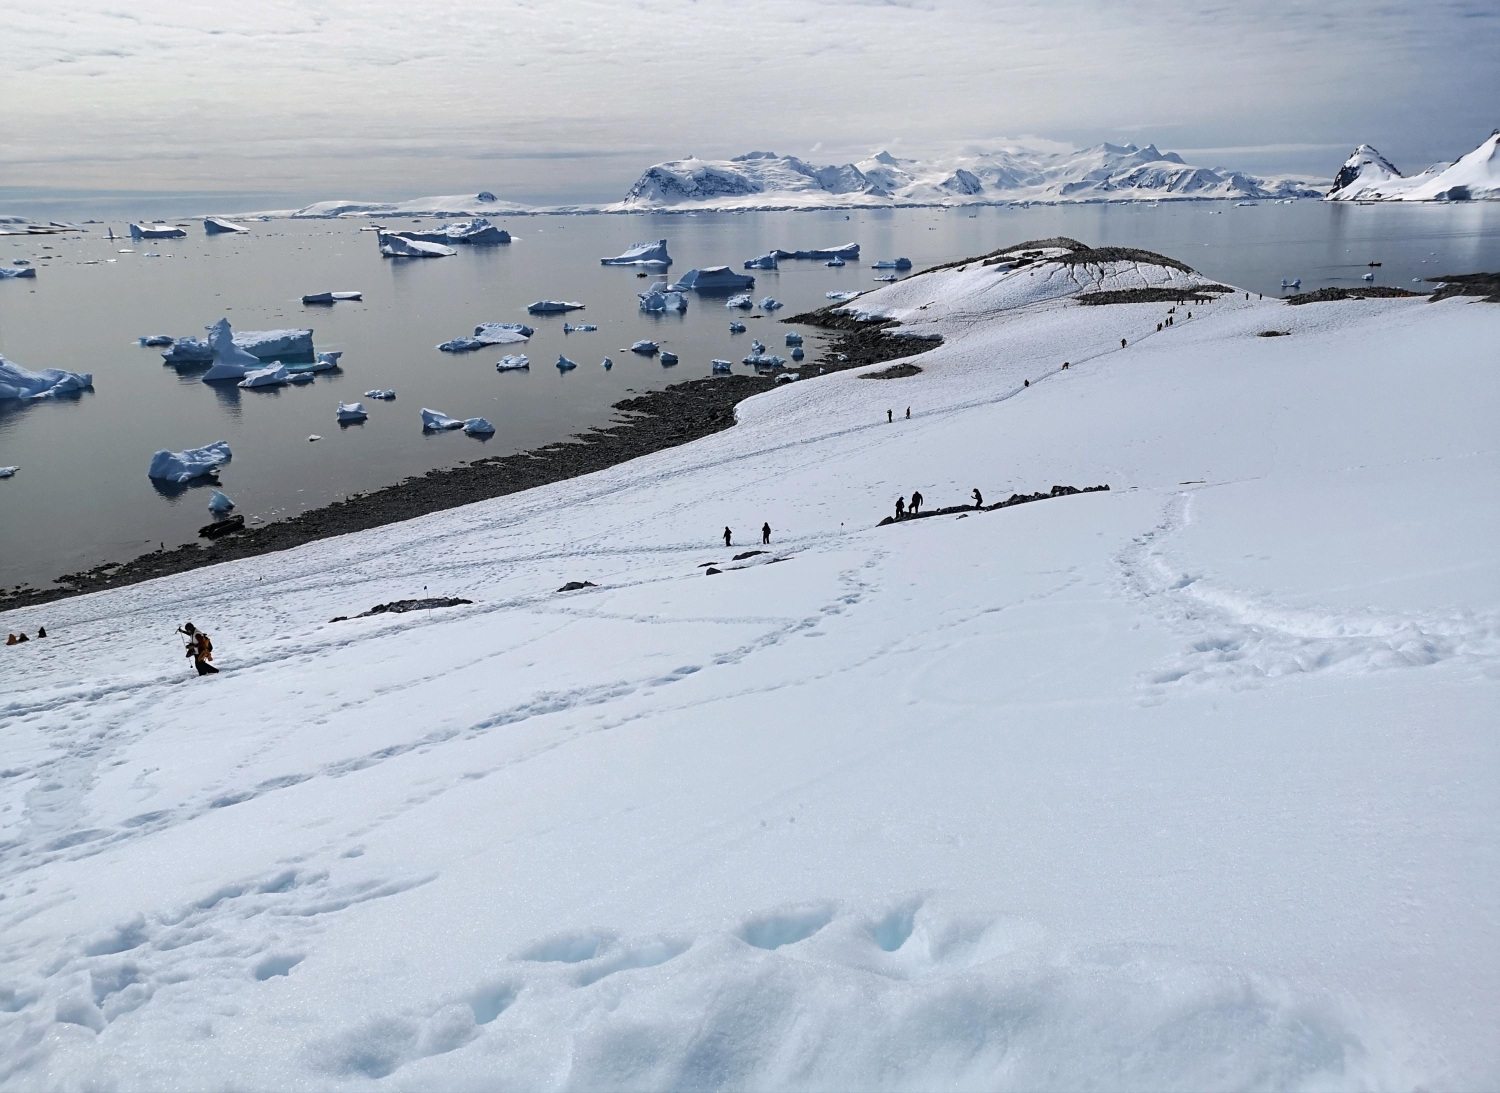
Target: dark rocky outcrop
(1012,500)
(1334,292)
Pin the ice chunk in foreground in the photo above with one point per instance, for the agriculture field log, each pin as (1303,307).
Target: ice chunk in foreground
(513,364)
(478,426)
(797,353)
(563,364)
(551,307)
(713,279)
(668,357)
(230,361)
(214,225)
(642,254)
(899,263)
(20,384)
(793,338)
(848,250)
(350,411)
(387,394)
(187,465)
(722,366)
(330,297)
(399,246)
(6,472)
(765,261)
(657,301)
(275,375)
(644,346)
(834,261)
(154,340)
(156,231)
(8,272)
(770,303)
(736,327)
(606,364)
(219,503)
(436,419)
(741,300)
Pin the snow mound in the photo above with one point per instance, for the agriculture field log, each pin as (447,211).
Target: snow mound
(399,246)
(20,384)
(214,225)
(653,255)
(184,466)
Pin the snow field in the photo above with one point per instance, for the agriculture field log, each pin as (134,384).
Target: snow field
(1186,785)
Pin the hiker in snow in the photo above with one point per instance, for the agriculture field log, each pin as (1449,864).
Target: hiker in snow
(41,631)
(889,417)
(978,500)
(765,534)
(1065,366)
(916,501)
(14,640)
(727,536)
(900,507)
(1122,343)
(199,648)
(1025,383)
(908,413)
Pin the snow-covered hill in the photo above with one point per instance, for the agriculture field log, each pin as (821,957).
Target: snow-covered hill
(1190,784)
(1106,172)
(1369,176)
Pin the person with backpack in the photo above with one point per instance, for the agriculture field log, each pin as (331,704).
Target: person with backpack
(978,500)
(200,648)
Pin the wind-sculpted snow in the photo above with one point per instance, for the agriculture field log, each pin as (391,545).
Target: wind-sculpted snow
(1185,784)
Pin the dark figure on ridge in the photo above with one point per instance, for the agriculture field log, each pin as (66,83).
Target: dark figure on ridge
(978,500)
(916,501)
(900,507)
(728,535)
(889,417)
(765,534)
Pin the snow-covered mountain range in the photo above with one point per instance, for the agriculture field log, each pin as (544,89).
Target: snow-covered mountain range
(1368,176)
(1105,172)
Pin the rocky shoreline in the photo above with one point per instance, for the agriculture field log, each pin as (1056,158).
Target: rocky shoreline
(654,421)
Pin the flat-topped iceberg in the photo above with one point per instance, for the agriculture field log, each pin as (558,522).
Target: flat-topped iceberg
(898,263)
(653,255)
(848,250)
(9,272)
(215,225)
(437,420)
(156,231)
(644,346)
(330,297)
(264,345)
(20,384)
(489,334)
(553,307)
(764,261)
(478,232)
(184,466)
(350,412)
(712,279)
(231,362)
(520,363)
(658,301)
(400,246)
(478,426)
(721,366)
(274,375)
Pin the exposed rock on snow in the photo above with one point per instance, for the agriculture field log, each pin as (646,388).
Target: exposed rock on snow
(399,246)
(653,255)
(156,231)
(214,225)
(184,466)
(713,279)
(20,384)
(1368,176)
(436,420)
(552,307)
(350,412)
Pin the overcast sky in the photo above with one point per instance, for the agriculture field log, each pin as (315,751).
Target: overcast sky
(562,100)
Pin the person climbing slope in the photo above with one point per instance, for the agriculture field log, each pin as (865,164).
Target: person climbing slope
(765,534)
(200,648)
(916,501)
(978,500)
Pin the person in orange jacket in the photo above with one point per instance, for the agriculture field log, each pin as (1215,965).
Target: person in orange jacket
(200,648)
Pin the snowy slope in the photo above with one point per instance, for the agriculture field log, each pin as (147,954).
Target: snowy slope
(1369,176)
(1188,785)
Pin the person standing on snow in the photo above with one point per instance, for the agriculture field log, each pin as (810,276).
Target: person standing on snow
(200,648)
(727,536)
(765,534)
(900,507)
(978,500)
(916,501)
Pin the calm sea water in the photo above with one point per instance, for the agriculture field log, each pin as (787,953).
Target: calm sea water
(82,497)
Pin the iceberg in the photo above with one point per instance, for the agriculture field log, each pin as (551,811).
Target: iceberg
(770,303)
(760,360)
(188,350)
(741,300)
(551,307)
(350,411)
(834,262)
(489,334)
(658,301)
(513,364)
(793,338)
(387,394)
(583,328)
(437,420)
(184,466)
(721,366)
(330,297)
(653,255)
(275,375)
(399,246)
(300,378)
(155,340)
(757,347)
(6,472)
(478,426)
(899,263)
(736,327)
(19,384)
(606,364)
(668,357)
(231,362)
(563,364)
(712,279)
(765,261)
(156,231)
(219,503)
(797,353)
(787,377)
(848,250)
(214,225)
(478,232)
(643,346)
(9,272)
(842,296)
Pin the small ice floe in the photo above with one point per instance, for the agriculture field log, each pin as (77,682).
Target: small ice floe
(712,279)
(757,347)
(1369,277)
(649,348)
(437,420)
(888,279)
(1291,284)
(606,364)
(740,301)
(156,231)
(842,296)
(581,328)
(652,255)
(350,412)
(219,503)
(564,365)
(770,303)
(400,246)
(787,377)
(151,254)
(184,466)
(760,360)
(155,340)
(274,375)
(552,307)
(214,225)
(386,395)
(23,385)
(721,366)
(312,437)
(793,338)
(518,363)
(478,426)
(764,261)
(6,472)
(330,297)
(797,353)
(898,263)
(736,327)
(10,272)
(848,250)
(668,357)
(489,334)
(834,261)
(656,301)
